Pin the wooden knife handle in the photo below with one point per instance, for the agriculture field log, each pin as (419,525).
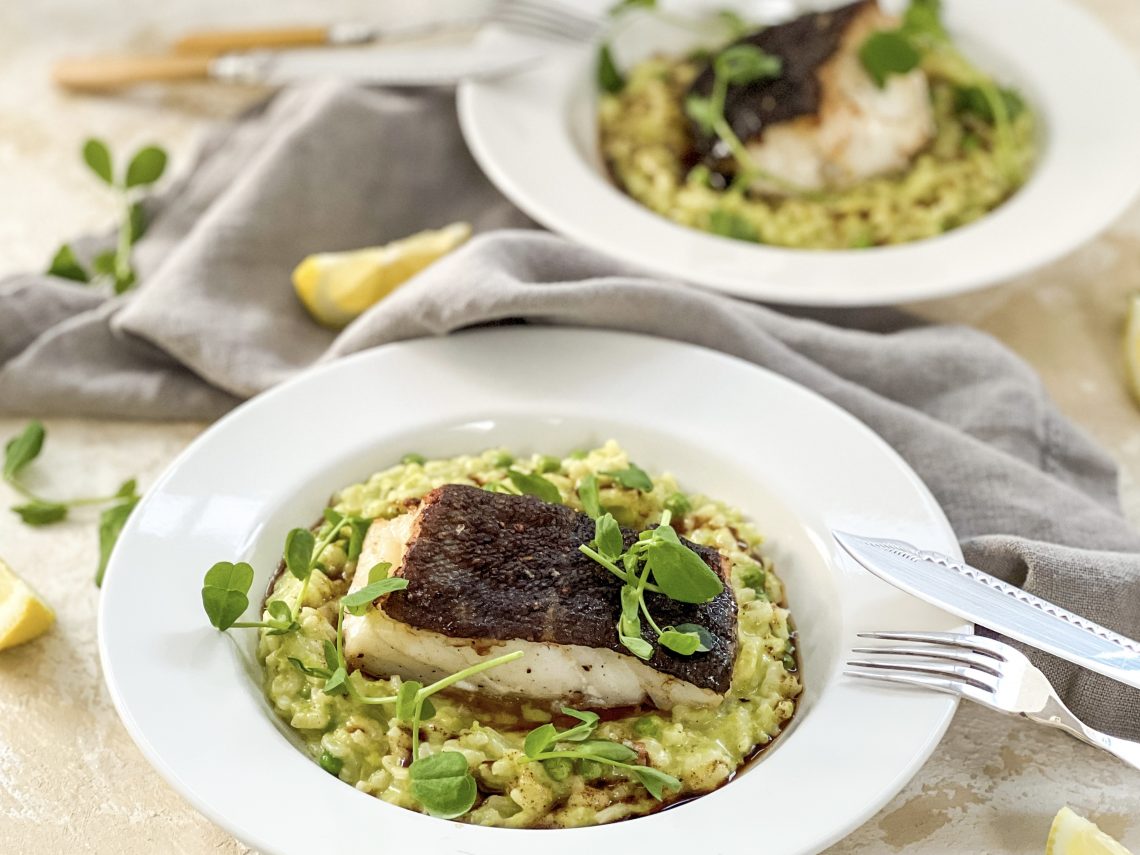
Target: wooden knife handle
(213,42)
(100,73)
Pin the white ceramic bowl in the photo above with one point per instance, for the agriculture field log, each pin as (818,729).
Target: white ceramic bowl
(535,136)
(799,466)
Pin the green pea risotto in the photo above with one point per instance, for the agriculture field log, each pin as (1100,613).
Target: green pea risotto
(624,763)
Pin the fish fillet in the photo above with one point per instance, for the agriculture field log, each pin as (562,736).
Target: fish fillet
(490,573)
(824,123)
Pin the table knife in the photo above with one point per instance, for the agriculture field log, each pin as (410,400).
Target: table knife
(438,65)
(987,601)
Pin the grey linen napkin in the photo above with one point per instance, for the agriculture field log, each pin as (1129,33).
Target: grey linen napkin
(329,167)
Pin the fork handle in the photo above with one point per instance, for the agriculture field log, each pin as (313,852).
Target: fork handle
(1056,714)
(214,42)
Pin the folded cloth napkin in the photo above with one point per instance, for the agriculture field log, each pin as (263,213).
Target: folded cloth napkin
(329,167)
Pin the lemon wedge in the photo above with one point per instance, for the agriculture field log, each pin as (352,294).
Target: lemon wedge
(1074,835)
(336,287)
(23,615)
(1132,346)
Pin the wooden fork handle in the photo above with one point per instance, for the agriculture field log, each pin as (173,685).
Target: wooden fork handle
(214,42)
(101,73)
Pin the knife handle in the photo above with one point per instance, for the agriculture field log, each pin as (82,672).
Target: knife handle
(214,42)
(101,73)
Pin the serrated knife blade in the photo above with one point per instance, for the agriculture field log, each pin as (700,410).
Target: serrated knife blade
(983,599)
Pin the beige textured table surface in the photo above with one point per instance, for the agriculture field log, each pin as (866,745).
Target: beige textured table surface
(71,781)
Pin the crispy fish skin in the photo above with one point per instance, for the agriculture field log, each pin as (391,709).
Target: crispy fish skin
(491,565)
(489,573)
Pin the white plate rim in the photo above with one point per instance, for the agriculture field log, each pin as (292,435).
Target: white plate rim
(1087,155)
(255,836)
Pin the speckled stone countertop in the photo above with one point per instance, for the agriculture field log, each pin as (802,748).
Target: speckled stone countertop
(70,778)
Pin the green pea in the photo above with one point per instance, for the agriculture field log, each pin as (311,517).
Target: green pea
(306,691)
(558,768)
(578,455)
(331,763)
(790,663)
(417,459)
(546,463)
(588,769)
(678,505)
(647,725)
(502,459)
(754,577)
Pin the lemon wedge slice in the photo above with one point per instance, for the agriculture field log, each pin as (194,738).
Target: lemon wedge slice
(1074,835)
(336,287)
(1132,346)
(23,615)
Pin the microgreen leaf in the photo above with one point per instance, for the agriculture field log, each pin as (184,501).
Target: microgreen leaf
(540,739)
(655,781)
(379,571)
(136,221)
(65,265)
(589,723)
(888,52)
(609,78)
(224,591)
(630,622)
(309,671)
(442,784)
(111,523)
(588,496)
(703,111)
(605,749)
(406,700)
(104,263)
(685,643)
(337,683)
(730,224)
(639,647)
(146,166)
(535,485)
(737,27)
(974,100)
(625,5)
(705,638)
(357,602)
(98,157)
(681,574)
(923,18)
(23,449)
(332,657)
(608,537)
(333,517)
(632,477)
(39,513)
(547,463)
(359,528)
(124,279)
(299,545)
(413,459)
(745,63)
(129,489)
(280,618)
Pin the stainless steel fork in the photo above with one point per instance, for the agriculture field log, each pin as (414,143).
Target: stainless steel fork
(985,671)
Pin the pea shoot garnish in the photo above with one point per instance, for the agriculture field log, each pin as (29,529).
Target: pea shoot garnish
(736,65)
(20,451)
(542,746)
(677,572)
(145,167)
(922,38)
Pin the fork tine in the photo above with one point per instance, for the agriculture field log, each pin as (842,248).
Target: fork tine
(951,672)
(977,643)
(966,657)
(545,18)
(950,687)
(555,10)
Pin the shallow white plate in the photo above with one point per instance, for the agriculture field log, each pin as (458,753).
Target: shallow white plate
(796,464)
(534,134)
